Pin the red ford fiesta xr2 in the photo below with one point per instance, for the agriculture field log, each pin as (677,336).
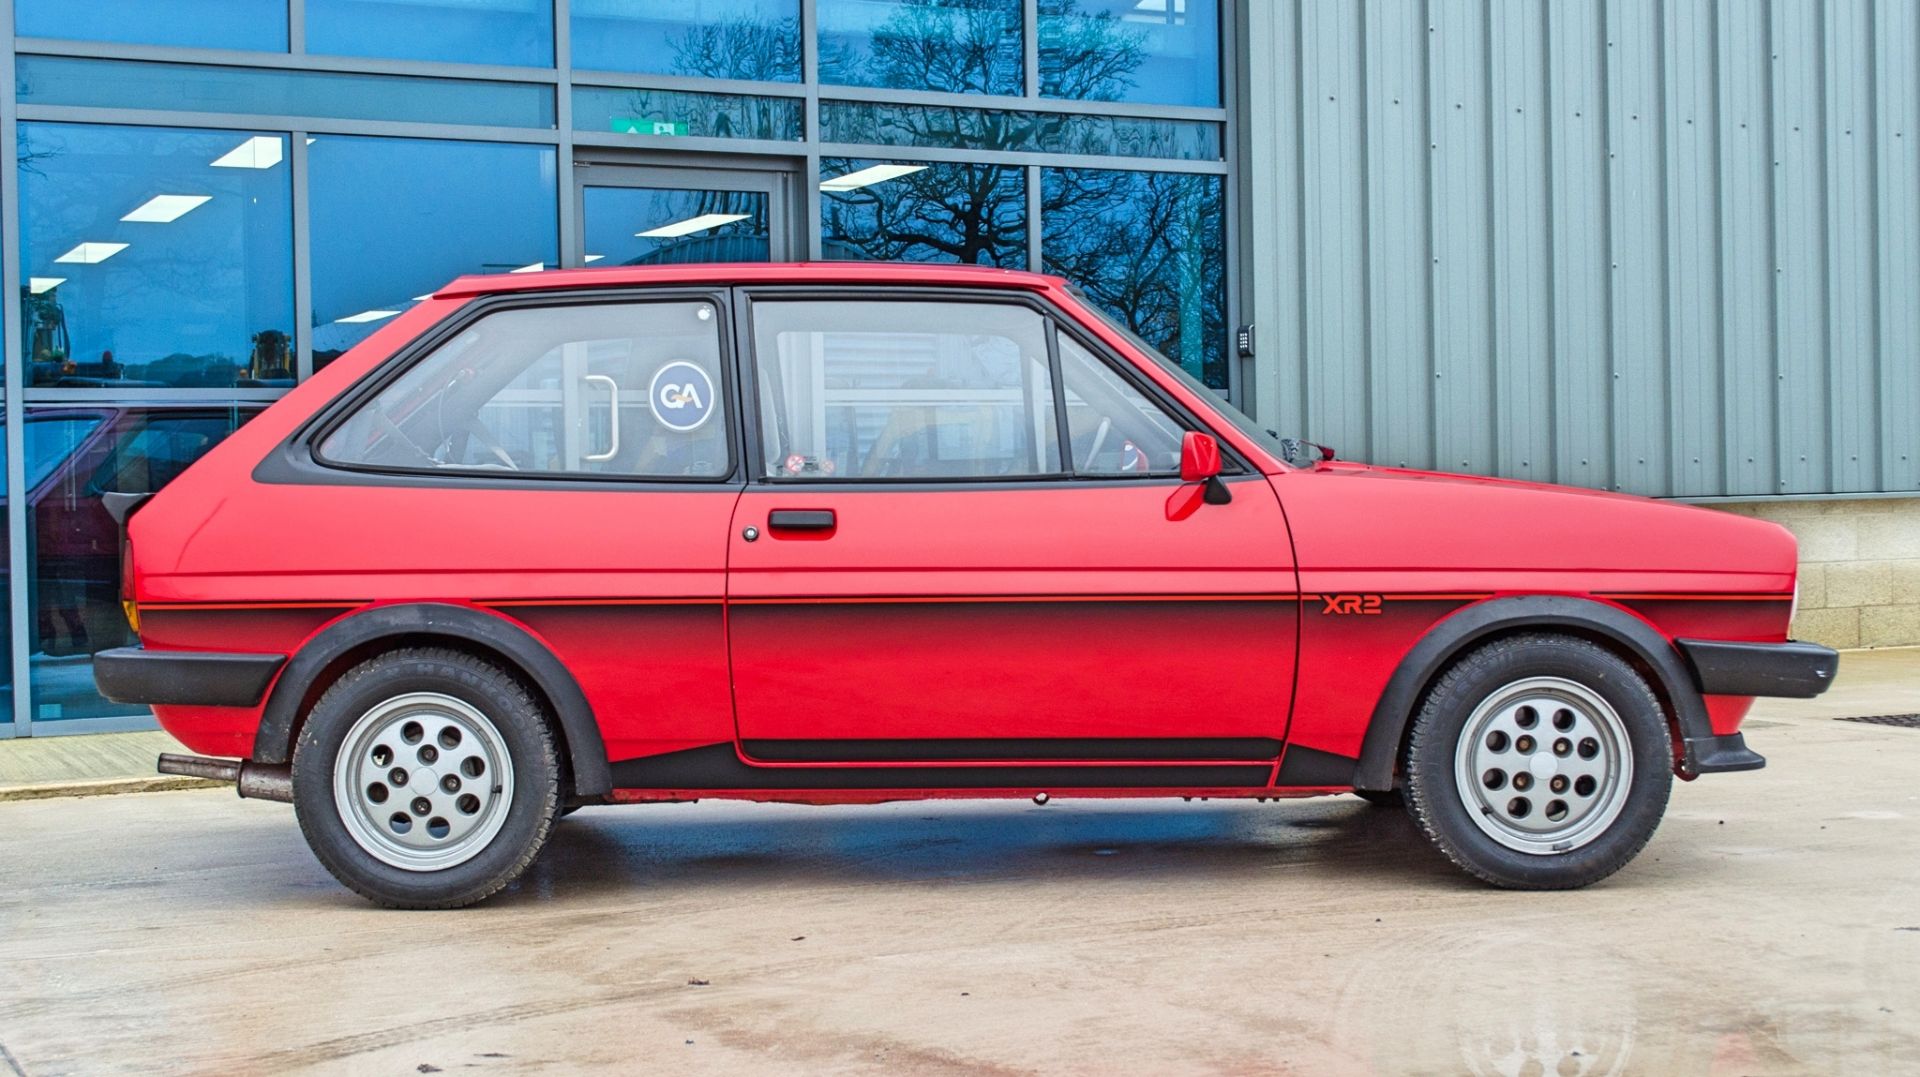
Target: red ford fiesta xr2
(839,533)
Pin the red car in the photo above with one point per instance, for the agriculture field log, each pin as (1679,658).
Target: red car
(844,533)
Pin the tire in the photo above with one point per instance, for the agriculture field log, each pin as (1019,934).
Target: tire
(1485,777)
(480,759)
(1381,798)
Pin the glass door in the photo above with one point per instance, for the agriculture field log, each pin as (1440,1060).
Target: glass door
(664,215)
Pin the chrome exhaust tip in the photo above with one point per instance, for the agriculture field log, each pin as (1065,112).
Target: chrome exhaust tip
(254,781)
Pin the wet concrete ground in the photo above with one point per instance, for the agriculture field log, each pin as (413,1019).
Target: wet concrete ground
(1773,926)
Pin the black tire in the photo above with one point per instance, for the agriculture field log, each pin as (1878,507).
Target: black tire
(529,812)
(1432,789)
(1381,798)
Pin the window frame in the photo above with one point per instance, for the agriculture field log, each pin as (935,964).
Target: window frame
(301,457)
(1056,321)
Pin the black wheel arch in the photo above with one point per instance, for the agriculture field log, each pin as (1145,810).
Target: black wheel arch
(1607,625)
(358,636)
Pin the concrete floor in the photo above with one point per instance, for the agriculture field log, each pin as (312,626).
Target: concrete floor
(1773,926)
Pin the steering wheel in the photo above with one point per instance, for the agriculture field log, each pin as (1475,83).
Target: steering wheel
(1099,442)
(479,432)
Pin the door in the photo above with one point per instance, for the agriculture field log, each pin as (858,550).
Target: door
(935,558)
(633,214)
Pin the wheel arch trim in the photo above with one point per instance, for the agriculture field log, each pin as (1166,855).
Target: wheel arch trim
(455,625)
(1461,631)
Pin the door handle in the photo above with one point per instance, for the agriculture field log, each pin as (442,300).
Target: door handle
(801,519)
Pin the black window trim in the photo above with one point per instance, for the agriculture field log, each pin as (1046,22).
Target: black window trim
(1056,320)
(298,459)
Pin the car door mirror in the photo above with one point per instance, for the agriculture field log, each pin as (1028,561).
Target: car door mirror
(1199,457)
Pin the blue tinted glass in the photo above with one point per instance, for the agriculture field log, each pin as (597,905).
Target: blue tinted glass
(1149,247)
(954,46)
(394,219)
(731,39)
(73,545)
(885,124)
(206,24)
(882,211)
(155,257)
(655,226)
(516,32)
(1166,52)
(682,114)
(60,80)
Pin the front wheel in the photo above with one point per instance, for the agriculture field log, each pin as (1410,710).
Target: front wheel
(1540,762)
(426,779)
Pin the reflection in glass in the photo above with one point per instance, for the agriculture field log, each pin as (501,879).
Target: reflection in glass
(654,226)
(970,213)
(1149,247)
(506,32)
(74,456)
(394,219)
(205,24)
(730,39)
(952,46)
(885,124)
(150,262)
(682,114)
(121,84)
(1164,52)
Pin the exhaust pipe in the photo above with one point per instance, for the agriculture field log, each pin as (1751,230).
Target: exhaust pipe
(254,781)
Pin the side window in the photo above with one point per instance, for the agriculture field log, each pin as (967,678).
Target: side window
(630,389)
(1115,431)
(875,389)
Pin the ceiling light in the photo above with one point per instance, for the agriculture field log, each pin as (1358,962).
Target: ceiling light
(36,285)
(87,254)
(260,151)
(690,225)
(592,258)
(167,208)
(867,177)
(366,316)
(423,298)
(534,268)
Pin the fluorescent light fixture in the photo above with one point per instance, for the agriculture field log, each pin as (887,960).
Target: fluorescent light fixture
(260,151)
(366,316)
(592,258)
(867,177)
(690,225)
(534,268)
(36,285)
(88,254)
(423,298)
(167,208)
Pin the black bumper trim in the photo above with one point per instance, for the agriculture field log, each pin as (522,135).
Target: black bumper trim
(1721,755)
(184,678)
(1794,670)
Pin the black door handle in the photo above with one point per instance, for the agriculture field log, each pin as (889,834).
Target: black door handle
(801,519)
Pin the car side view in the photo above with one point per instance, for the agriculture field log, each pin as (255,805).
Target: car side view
(850,533)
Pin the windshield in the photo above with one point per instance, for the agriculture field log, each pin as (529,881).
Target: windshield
(1240,420)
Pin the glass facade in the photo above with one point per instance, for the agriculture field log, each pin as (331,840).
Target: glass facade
(206,216)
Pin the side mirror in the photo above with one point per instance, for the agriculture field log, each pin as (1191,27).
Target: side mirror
(1199,457)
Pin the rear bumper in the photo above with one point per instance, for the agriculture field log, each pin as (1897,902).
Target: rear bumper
(1792,669)
(184,678)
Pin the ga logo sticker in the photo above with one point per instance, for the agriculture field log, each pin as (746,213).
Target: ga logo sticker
(681,396)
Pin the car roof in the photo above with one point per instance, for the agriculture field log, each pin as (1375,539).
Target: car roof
(752,273)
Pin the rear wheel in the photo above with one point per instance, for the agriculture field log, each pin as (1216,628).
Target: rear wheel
(426,778)
(1540,762)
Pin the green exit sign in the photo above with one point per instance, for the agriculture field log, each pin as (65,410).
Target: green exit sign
(634,125)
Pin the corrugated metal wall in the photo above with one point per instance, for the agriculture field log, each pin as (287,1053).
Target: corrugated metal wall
(1666,246)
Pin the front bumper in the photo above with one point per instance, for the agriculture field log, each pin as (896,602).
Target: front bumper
(1792,669)
(184,678)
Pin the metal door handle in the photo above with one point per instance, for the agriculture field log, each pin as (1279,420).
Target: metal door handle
(801,519)
(613,416)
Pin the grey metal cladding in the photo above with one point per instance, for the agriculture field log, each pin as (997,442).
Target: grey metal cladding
(1665,246)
